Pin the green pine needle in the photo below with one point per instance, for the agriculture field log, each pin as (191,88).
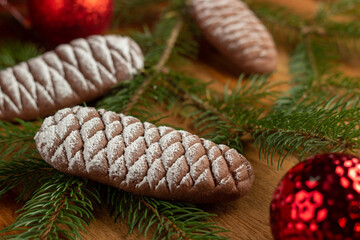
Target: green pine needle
(165,219)
(306,133)
(120,96)
(17,139)
(23,173)
(59,208)
(14,52)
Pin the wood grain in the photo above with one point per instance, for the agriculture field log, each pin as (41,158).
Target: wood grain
(248,217)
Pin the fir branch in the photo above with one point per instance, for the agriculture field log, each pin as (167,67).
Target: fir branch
(159,65)
(158,52)
(169,219)
(14,52)
(307,133)
(305,130)
(223,119)
(170,43)
(23,173)
(306,72)
(311,99)
(139,92)
(339,80)
(120,96)
(284,135)
(349,29)
(58,209)
(17,139)
(311,57)
(329,88)
(155,43)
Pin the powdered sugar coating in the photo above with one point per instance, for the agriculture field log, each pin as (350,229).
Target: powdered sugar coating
(236,32)
(72,73)
(142,158)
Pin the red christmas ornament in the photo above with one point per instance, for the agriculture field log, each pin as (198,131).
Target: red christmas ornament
(64,20)
(318,199)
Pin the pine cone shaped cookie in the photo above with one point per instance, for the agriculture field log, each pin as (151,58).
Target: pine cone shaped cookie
(237,33)
(71,74)
(141,158)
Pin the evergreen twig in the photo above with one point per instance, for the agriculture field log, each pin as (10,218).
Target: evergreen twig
(16,140)
(169,219)
(23,174)
(170,43)
(58,209)
(158,67)
(13,52)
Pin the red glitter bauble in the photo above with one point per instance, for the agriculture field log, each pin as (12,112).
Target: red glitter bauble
(318,199)
(63,20)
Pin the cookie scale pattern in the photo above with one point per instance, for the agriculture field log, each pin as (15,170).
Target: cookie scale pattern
(141,158)
(73,73)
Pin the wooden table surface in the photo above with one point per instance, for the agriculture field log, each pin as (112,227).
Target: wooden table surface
(248,217)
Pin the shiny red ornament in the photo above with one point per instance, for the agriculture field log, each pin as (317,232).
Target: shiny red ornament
(318,199)
(63,20)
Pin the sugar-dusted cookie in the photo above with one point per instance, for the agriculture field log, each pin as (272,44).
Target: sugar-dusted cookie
(237,33)
(73,73)
(141,158)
